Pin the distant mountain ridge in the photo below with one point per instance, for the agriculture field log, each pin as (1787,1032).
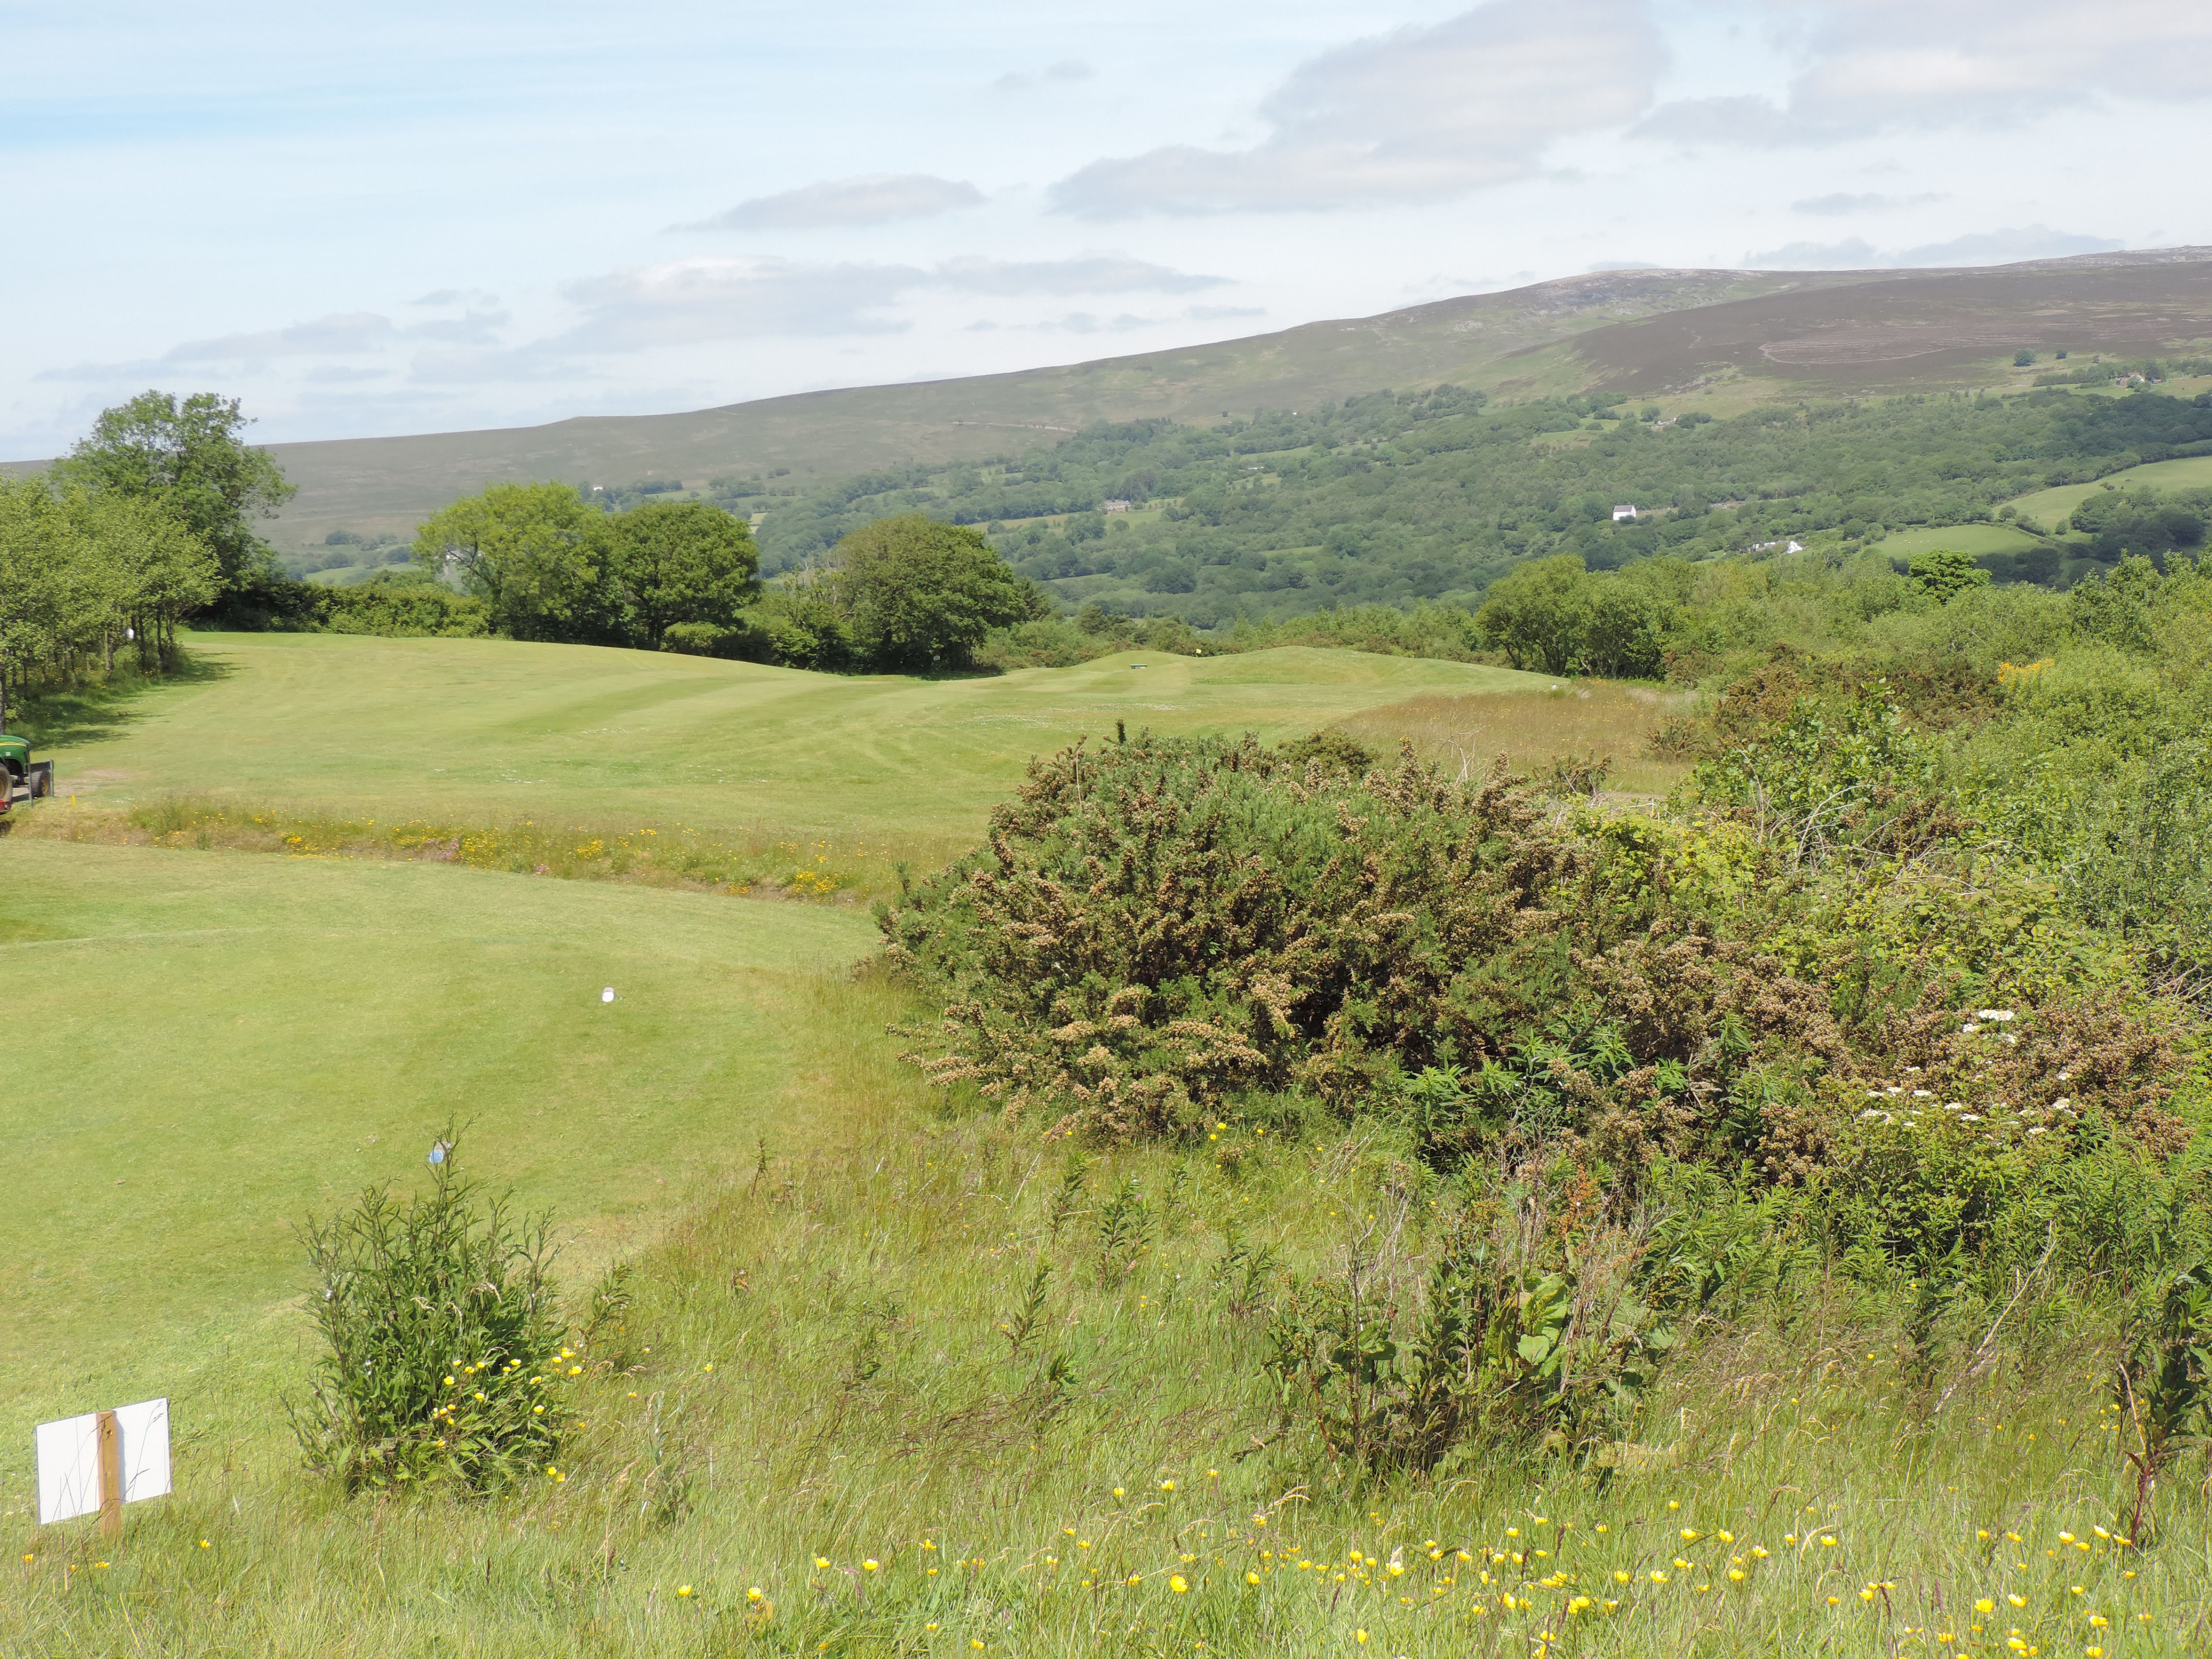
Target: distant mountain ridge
(1721,340)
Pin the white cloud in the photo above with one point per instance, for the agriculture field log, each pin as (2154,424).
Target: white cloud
(1843,201)
(349,333)
(101,373)
(1088,273)
(873,198)
(714,298)
(1744,118)
(1987,247)
(711,298)
(1067,69)
(1876,65)
(1418,115)
(485,366)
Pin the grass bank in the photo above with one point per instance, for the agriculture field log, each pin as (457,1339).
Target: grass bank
(942,1393)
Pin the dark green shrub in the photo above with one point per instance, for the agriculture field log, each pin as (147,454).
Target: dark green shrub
(1158,925)
(446,1357)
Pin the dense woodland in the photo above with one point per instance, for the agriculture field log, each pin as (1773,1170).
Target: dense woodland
(1395,498)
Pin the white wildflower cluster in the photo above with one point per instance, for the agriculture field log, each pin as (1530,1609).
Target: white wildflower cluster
(1998,1122)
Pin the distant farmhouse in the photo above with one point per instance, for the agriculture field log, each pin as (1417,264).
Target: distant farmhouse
(1113,507)
(1625,511)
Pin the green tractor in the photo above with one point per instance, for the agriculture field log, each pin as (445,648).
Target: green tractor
(24,778)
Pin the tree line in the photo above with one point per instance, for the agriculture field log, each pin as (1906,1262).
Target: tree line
(1398,498)
(146,522)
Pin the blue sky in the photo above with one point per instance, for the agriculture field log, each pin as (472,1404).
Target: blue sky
(414,217)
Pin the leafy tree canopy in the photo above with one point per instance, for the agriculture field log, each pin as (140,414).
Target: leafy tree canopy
(679,562)
(190,455)
(529,550)
(921,592)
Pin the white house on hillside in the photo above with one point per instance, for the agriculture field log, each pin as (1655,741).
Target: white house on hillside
(1625,511)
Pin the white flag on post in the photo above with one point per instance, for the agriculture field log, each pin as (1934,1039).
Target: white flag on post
(69,1460)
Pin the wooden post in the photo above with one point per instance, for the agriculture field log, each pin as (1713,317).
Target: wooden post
(111,1477)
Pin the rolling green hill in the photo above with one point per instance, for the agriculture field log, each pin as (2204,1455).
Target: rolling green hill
(492,730)
(1720,340)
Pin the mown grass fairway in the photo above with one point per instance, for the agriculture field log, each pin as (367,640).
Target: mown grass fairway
(206,1047)
(399,728)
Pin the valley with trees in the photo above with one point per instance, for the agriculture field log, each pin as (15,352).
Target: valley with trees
(1286,1033)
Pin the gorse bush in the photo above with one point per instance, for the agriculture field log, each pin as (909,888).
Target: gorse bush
(446,1351)
(1159,925)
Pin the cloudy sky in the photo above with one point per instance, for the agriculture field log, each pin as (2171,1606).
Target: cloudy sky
(400,215)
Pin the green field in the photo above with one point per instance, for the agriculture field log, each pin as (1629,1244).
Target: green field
(819,1431)
(2051,507)
(1975,538)
(262,1034)
(206,1047)
(496,730)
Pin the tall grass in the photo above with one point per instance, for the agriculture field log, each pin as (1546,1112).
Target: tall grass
(841,1386)
(766,865)
(1577,722)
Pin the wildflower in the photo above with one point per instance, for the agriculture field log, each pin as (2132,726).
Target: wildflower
(1167,1485)
(868,1566)
(683,1589)
(753,1595)
(1251,1577)
(820,1561)
(1986,1606)
(1360,1635)
(1177,1583)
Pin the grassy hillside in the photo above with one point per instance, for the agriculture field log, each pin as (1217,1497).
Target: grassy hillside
(493,731)
(902,1375)
(1721,341)
(205,1046)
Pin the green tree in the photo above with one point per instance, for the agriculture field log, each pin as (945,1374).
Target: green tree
(529,550)
(1539,614)
(190,455)
(76,569)
(679,562)
(920,593)
(1943,571)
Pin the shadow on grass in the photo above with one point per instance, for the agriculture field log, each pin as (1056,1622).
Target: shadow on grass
(85,713)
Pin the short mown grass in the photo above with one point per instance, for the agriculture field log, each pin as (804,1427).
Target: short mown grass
(205,1046)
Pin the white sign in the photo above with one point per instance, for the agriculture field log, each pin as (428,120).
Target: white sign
(69,1460)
